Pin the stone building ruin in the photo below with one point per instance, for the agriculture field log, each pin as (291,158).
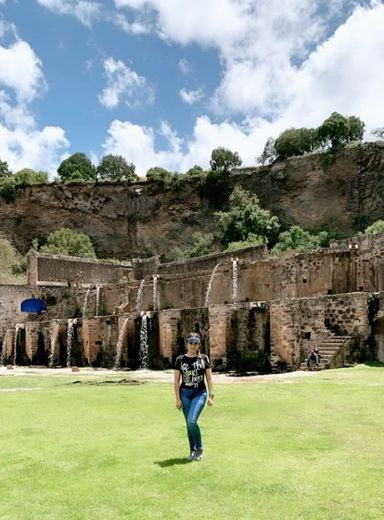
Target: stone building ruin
(248,307)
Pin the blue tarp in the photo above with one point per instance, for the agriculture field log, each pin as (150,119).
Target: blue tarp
(33,305)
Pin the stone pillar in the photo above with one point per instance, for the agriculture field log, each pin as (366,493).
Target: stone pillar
(32,268)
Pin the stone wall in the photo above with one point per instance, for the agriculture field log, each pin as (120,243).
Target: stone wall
(296,324)
(44,269)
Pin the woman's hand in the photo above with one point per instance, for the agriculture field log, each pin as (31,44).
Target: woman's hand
(210,401)
(179,404)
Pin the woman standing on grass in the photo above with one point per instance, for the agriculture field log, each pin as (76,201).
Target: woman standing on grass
(192,369)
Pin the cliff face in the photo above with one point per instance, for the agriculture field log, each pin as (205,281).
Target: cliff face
(316,191)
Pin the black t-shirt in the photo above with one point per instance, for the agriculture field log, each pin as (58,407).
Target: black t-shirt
(192,370)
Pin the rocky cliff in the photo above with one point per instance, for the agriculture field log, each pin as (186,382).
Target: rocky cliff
(341,191)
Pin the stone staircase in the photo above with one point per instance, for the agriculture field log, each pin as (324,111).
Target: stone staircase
(331,351)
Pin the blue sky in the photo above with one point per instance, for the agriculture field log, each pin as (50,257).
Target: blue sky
(163,82)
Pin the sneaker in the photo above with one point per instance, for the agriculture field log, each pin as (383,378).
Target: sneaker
(191,456)
(198,454)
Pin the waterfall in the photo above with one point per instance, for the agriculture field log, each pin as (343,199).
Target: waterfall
(53,337)
(97,300)
(155,293)
(139,295)
(4,347)
(144,341)
(85,304)
(208,292)
(70,338)
(235,290)
(17,328)
(119,346)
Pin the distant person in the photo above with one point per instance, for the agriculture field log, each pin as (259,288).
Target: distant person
(313,356)
(191,371)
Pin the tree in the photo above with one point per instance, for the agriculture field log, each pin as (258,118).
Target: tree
(299,239)
(296,141)
(378,133)
(376,227)
(77,166)
(65,241)
(269,153)
(115,168)
(11,262)
(201,245)
(27,176)
(252,241)
(195,172)
(160,175)
(4,170)
(246,218)
(336,131)
(223,160)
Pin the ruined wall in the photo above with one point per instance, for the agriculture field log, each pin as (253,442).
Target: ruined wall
(147,219)
(297,323)
(44,269)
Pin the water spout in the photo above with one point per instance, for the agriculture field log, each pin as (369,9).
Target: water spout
(139,295)
(53,337)
(208,292)
(97,300)
(85,304)
(144,341)
(4,347)
(70,338)
(235,289)
(119,345)
(17,328)
(155,293)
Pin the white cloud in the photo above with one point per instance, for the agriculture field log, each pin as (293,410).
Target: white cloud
(22,144)
(20,70)
(191,96)
(135,27)
(85,11)
(36,149)
(185,66)
(124,85)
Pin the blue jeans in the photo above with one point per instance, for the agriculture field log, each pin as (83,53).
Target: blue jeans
(193,403)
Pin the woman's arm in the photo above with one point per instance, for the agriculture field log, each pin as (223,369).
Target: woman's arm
(208,377)
(176,386)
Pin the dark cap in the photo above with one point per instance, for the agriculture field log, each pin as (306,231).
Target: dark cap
(193,339)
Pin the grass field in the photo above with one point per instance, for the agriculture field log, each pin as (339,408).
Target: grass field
(304,448)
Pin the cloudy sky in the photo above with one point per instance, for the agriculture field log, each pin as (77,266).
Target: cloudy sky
(163,82)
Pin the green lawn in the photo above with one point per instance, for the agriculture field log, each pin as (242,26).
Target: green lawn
(306,448)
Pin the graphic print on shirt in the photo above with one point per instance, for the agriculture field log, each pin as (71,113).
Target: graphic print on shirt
(192,374)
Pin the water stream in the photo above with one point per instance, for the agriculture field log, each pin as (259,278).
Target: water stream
(208,292)
(235,288)
(4,347)
(97,300)
(119,345)
(155,293)
(85,304)
(139,295)
(70,338)
(15,340)
(144,341)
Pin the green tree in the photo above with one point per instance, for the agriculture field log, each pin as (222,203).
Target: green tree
(77,166)
(296,141)
(252,241)
(201,245)
(269,153)
(337,130)
(116,168)
(11,262)
(160,175)
(65,241)
(216,182)
(299,239)
(245,219)
(4,170)
(376,227)
(27,176)
(223,160)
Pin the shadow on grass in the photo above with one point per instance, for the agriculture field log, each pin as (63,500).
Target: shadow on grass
(376,364)
(172,462)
